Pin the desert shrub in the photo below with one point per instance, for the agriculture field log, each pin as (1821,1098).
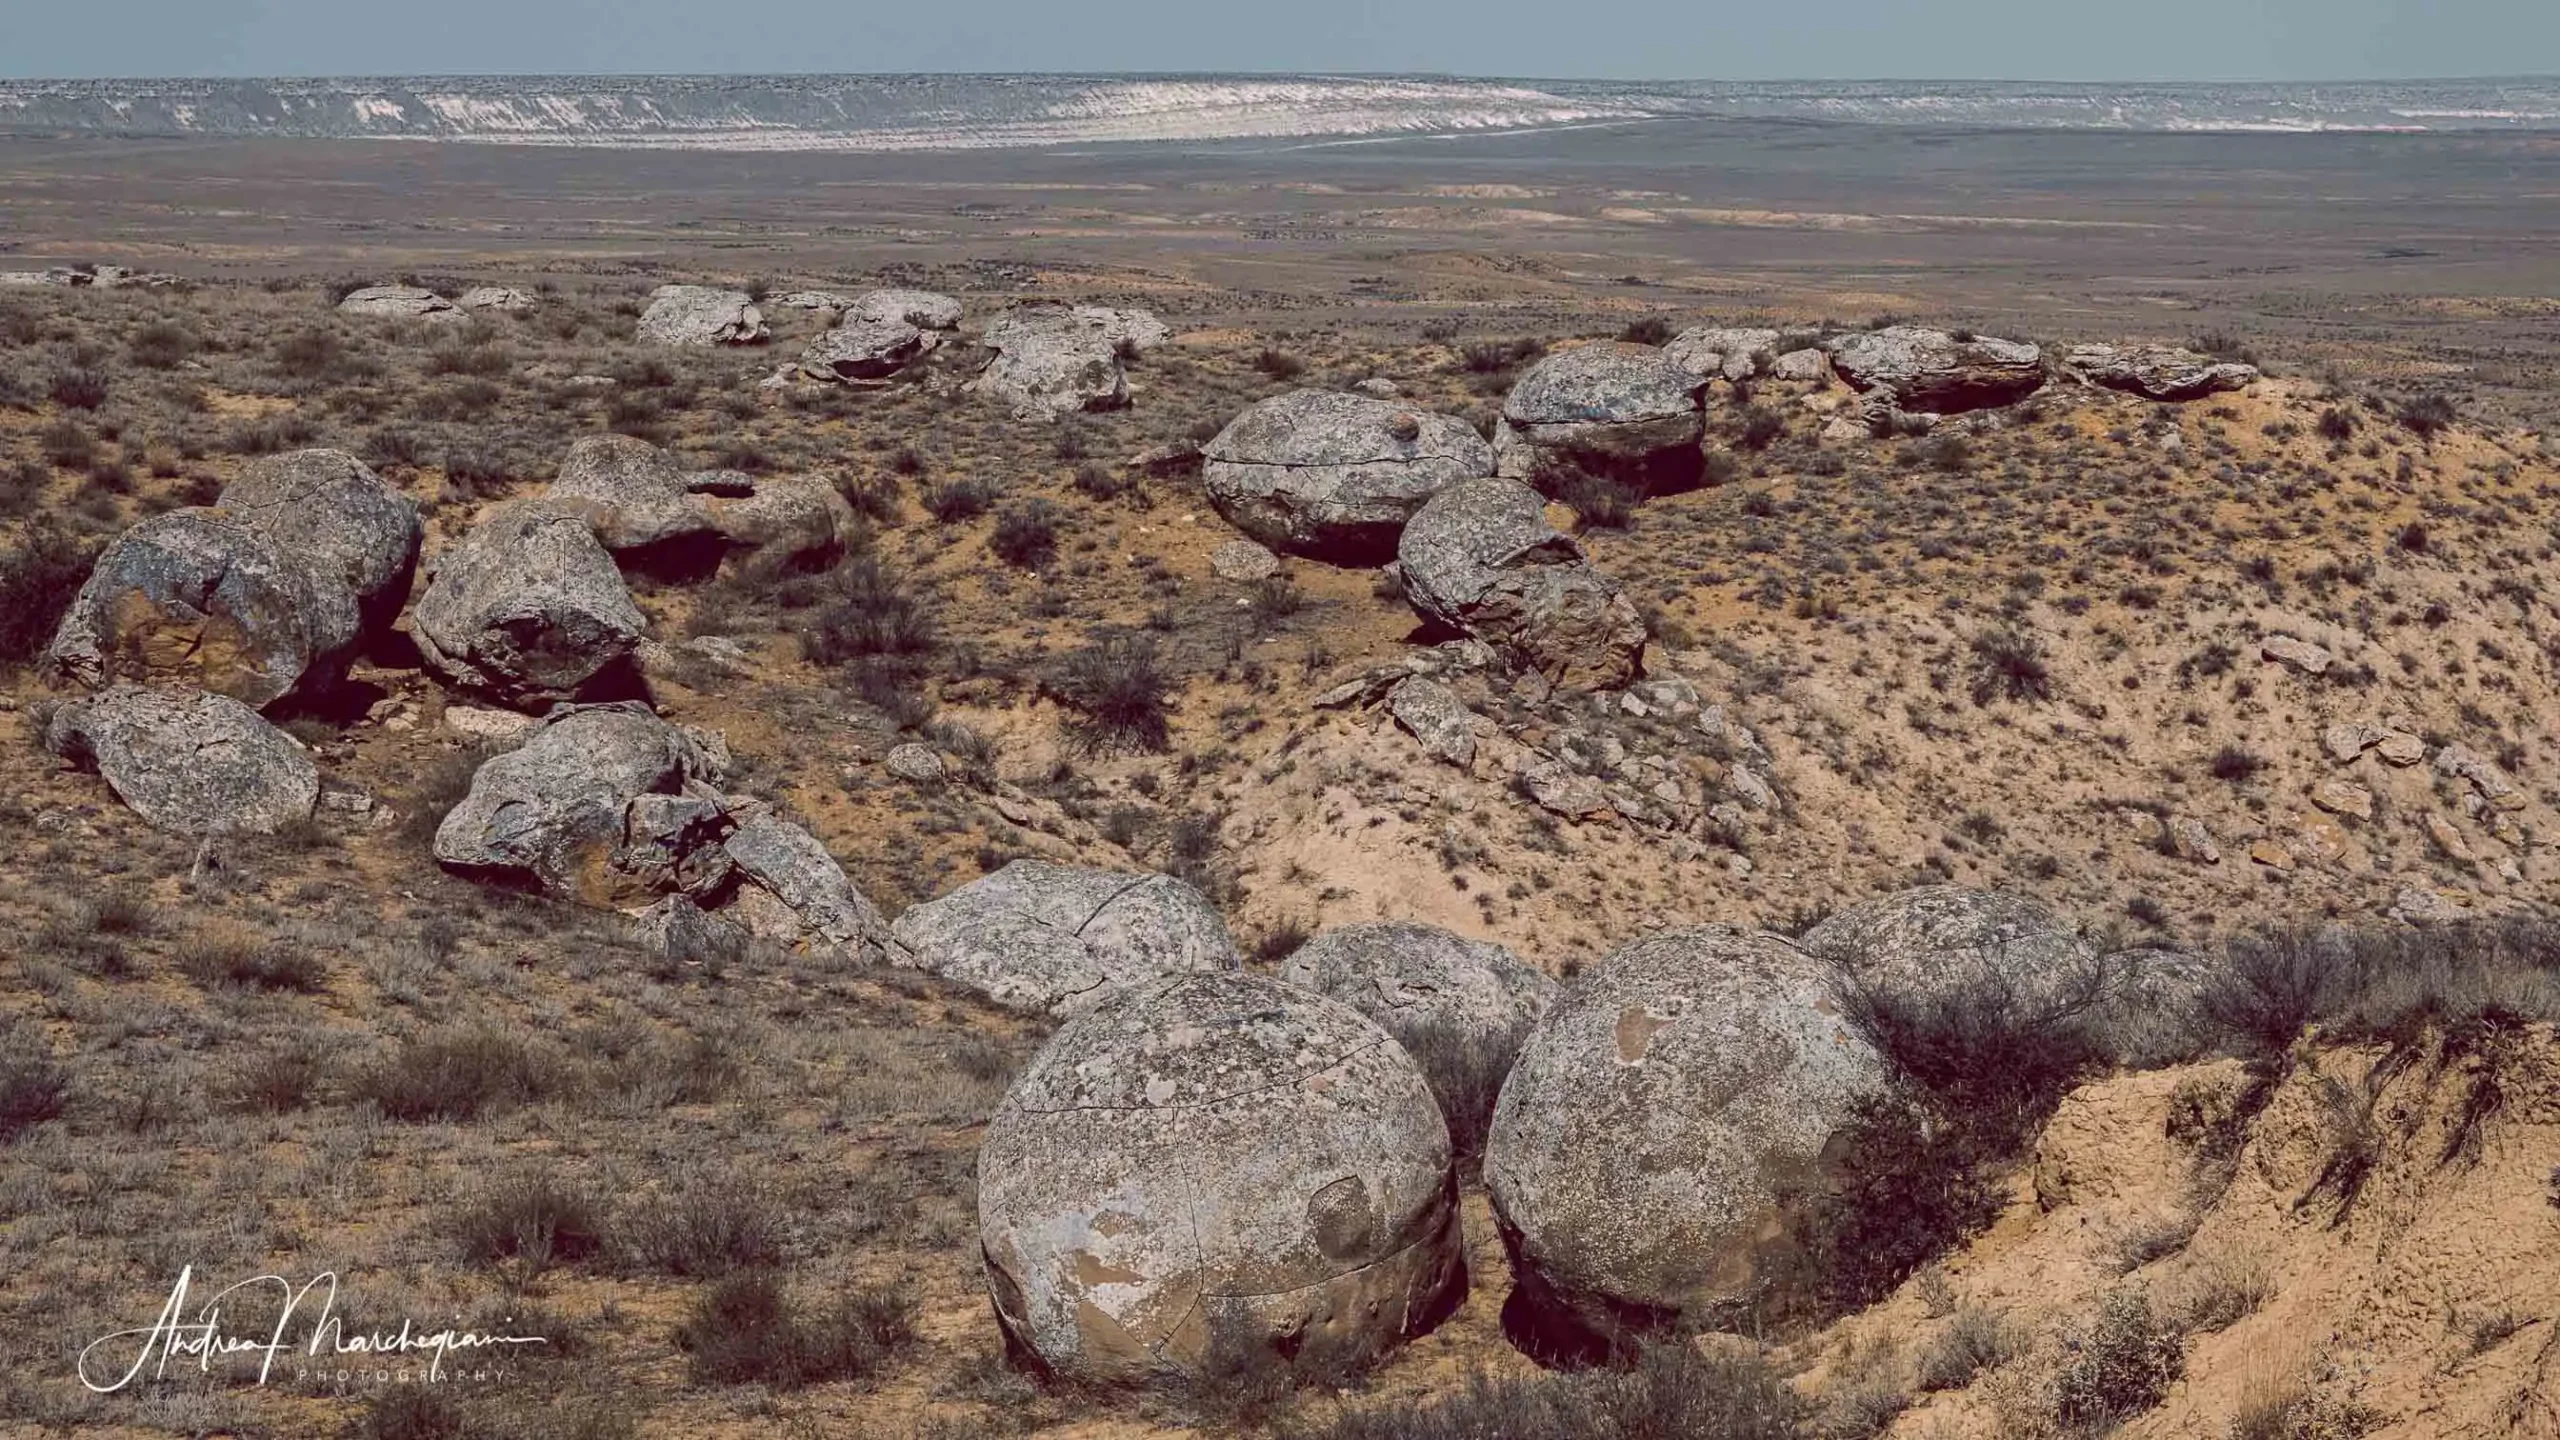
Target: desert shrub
(872,497)
(1718,467)
(473,472)
(955,500)
(1993,1055)
(1026,536)
(747,1330)
(274,1082)
(458,1074)
(1279,364)
(2426,416)
(2235,764)
(38,578)
(1975,1340)
(709,1225)
(1117,689)
(1666,1392)
(79,389)
(2223,345)
(452,358)
(1465,1072)
(1761,427)
(1600,503)
(309,354)
(1100,482)
(871,611)
(1949,453)
(893,690)
(906,461)
(1904,1192)
(33,1086)
(2009,664)
(244,959)
(1276,599)
(1646,330)
(1497,357)
(1067,441)
(538,1218)
(2123,1365)
(391,448)
(2336,426)
(273,435)
(67,444)
(161,345)
(2268,986)
(412,1412)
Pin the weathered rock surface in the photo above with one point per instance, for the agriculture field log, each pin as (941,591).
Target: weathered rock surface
(1808,364)
(402,302)
(1933,372)
(789,864)
(701,315)
(1654,1121)
(1480,557)
(865,347)
(2159,372)
(2461,762)
(2301,654)
(601,804)
(1616,412)
(501,299)
(187,761)
(632,493)
(1053,938)
(527,607)
(325,509)
(1435,716)
(924,309)
(1054,360)
(1450,1001)
(1204,1170)
(681,930)
(2192,841)
(1949,943)
(1244,562)
(655,514)
(1713,352)
(206,598)
(1336,476)
(915,764)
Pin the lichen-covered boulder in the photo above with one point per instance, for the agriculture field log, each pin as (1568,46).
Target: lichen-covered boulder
(207,598)
(1053,938)
(188,761)
(2160,372)
(326,509)
(632,493)
(1054,360)
(1655,1123)
(1334,476)
(1933,372)
(701,316)
(527,607)
(601,804)
(825,911)
(1938,944)
(501,299)
(654,513)
(399,302)
(1616,412)
(924,309)
(864,348)
(1460,1007)
(1481,558)
(1717,352)
(1208,1171)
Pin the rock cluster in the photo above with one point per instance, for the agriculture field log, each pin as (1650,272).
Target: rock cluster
(1335,476)
(701,316)
(1481,558)
(1714,352)
(263,595)
(90,277)
(1054,939)
(1205,1171)
(1616,412)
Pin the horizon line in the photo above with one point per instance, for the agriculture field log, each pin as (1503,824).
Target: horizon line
(1303,74)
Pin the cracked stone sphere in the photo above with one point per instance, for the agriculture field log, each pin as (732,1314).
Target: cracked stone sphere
(1213,1170)
(1052,939)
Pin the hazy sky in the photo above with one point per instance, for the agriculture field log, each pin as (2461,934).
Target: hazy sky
(1754,39)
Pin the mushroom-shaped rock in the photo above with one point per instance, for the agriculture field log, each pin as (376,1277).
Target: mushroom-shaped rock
(527,607)
(924,309)
(1713,352)
(1942,944)
(1654,1123)
(1460,1007)
(824,910)
(1609,411)
(1933,372)
(503,299)
(866,348)
(206,598)
(188,761)
(2160,372)
(653,513)
(406,302)
(1055,360)
(325,509)
(701,315)
(1053,938)
(1336,476)
(601,804)
(1481,557)
(1208,1170)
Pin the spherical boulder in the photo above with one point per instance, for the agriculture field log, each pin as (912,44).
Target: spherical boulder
(701,316)
(204,597)
(1617,412)
(1212,1170)
(527,607)
(326,509)
(1655,1124)
(189,762)
(1481,558)
(1054,939)
(1335,476)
